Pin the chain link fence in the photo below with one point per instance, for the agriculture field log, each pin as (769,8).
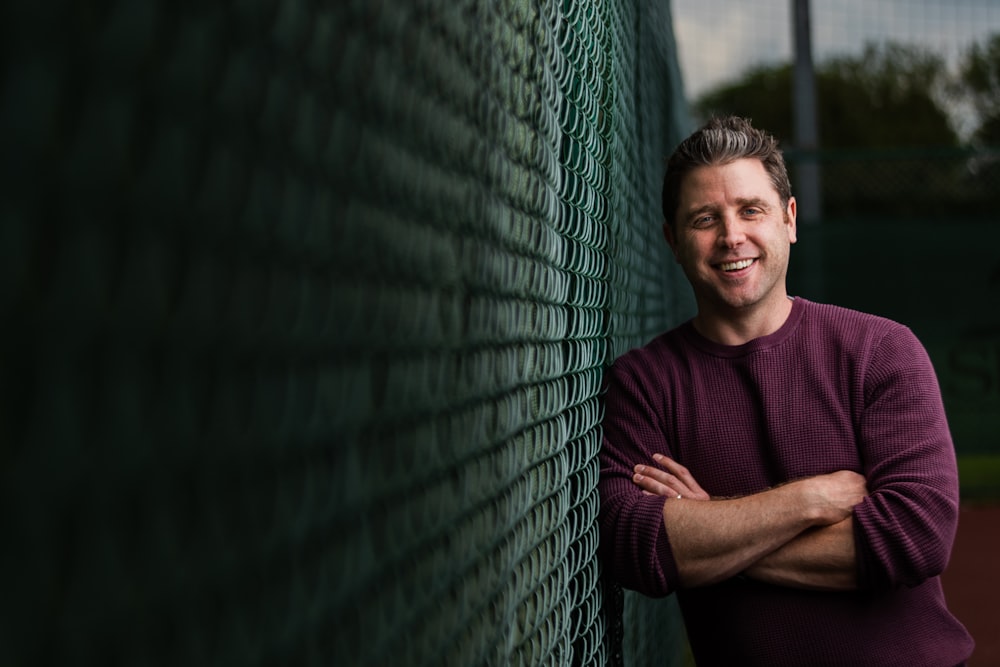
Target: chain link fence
(306,307)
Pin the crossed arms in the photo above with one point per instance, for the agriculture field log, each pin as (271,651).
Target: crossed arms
(799,534)
(891,527)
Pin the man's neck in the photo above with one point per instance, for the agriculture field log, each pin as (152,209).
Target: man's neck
(739,326)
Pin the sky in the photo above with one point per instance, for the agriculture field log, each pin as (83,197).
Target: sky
(718,39)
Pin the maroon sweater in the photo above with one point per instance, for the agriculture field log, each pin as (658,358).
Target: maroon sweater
(833,389)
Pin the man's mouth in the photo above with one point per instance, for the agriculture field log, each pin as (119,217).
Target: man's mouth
(737,265)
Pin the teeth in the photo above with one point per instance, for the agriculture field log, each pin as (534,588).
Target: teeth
(736,266)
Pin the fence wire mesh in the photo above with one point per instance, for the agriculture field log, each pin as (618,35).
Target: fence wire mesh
(306,308)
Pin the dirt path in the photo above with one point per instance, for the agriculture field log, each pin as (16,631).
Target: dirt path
(972,581)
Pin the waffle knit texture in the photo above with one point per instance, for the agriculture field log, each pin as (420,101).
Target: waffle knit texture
(832,389)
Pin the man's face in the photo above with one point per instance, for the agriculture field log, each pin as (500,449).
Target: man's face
(732,237)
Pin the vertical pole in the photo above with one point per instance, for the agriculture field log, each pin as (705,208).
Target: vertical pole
(807,171)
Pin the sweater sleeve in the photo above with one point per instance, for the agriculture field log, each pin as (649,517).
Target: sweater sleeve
(906,526)
(634,546)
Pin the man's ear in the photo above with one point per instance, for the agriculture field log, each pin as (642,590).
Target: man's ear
(790,214)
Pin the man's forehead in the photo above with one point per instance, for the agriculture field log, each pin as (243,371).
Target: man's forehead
(744,179)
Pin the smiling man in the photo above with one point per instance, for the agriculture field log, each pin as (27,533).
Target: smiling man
(784,466)
(732,236)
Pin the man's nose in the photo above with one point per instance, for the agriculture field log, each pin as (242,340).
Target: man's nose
(732,232)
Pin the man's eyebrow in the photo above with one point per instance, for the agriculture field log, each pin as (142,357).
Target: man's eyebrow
(753,201)
(698,210)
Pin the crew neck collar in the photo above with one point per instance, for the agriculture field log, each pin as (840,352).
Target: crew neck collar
(782,334)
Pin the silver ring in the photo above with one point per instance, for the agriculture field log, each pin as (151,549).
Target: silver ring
(679,496)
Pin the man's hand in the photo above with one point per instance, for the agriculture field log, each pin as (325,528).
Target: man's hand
(673,481)
(834,496)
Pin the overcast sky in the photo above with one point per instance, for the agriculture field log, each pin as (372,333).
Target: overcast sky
(719,39)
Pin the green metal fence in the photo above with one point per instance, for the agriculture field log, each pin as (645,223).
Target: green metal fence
(305,311)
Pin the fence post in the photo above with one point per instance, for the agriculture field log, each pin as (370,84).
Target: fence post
(807,169)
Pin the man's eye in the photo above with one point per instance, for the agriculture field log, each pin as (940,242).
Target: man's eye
(703,221)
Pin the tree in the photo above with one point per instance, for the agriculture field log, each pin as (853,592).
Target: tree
(980,79)
(886,97)
(871,107)
(763,94)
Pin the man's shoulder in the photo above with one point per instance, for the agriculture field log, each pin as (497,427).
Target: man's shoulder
(832,317)
(843,330)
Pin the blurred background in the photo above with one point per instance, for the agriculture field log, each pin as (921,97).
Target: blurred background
(889,114)
(893,141)
(305,305)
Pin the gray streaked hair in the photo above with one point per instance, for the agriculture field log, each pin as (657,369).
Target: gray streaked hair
(721,141)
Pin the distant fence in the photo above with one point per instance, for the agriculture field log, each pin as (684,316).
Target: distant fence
(912,183)
(940,277)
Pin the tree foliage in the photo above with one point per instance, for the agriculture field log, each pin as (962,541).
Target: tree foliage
(763,94)
(884,97)
(981,84)
(888,147)
(887,97)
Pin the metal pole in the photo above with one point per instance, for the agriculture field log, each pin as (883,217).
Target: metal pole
(807,172)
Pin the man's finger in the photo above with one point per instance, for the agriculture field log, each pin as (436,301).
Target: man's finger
(661,476)
(681,473)
(652,485)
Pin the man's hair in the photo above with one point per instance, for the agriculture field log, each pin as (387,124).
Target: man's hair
(721,141)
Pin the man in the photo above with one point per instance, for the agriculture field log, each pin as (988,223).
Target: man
(784,466)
